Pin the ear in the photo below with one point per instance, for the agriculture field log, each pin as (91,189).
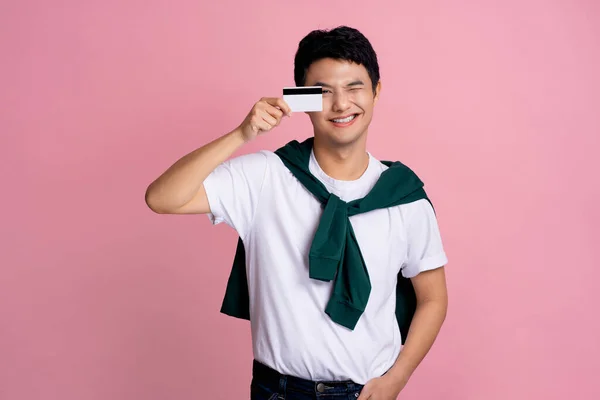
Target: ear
(377,91)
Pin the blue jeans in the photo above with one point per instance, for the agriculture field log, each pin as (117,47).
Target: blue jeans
(268,384)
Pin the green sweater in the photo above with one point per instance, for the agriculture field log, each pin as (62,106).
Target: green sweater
(335,254)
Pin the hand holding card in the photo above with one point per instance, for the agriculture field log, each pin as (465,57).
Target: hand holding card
(265,115)
(304,98)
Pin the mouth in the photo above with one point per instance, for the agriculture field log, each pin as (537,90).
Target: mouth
(344,121)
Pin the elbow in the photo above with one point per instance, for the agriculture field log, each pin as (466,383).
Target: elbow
(437,305)
(152,202)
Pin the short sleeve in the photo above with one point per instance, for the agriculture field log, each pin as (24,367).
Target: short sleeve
(233,191)
(425,249)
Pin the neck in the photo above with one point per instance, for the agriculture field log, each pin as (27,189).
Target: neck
(345,163)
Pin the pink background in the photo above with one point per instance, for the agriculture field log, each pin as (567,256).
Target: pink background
(494,104)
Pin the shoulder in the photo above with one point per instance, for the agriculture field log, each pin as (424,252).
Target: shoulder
(397,173)
(418,208)
(254,158)
(384,165)
(271,157)
(260,165)
(273,161)
(255,161)
(260,157)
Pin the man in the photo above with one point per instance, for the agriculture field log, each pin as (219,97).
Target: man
(314,335)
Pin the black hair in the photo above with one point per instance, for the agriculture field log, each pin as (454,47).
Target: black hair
(341,43)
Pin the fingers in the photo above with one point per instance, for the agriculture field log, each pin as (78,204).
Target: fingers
(271,117)
(279,103)
(261,126)
(262,121)
(275,113)
(365,393)
(364,396)
(267,110)
(264,116)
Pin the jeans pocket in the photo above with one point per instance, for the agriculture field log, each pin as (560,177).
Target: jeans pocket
(260,392)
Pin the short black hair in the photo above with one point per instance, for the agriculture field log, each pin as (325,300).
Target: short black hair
(341,43)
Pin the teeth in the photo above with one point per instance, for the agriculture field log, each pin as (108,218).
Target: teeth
(341,121)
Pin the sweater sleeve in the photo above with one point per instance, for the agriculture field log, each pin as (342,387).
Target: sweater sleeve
(425,248)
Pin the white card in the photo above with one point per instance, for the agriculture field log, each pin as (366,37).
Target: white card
(304,98)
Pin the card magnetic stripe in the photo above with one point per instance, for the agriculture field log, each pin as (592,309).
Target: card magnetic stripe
(295,91)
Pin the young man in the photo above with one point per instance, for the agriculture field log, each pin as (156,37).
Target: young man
(333,242)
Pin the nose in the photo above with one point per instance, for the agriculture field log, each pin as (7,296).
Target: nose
(341,102)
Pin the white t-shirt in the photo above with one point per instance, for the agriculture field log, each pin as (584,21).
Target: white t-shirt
(276,217)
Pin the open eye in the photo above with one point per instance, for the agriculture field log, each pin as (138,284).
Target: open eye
(326,91)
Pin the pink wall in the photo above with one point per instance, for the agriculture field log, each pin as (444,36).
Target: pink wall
(495,104)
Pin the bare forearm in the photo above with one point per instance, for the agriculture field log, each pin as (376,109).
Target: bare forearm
(424,328)
(180,190)
(181,182)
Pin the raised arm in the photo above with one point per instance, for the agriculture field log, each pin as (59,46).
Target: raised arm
(180,189)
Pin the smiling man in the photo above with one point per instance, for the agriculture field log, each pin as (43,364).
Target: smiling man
(340,263)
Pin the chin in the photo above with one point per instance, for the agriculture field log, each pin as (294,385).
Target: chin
(340,138)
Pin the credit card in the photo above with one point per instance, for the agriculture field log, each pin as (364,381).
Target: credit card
(304,98)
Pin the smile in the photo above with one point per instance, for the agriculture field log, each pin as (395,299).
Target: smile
(344,121)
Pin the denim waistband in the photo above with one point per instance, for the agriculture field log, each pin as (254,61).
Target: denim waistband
(282,383)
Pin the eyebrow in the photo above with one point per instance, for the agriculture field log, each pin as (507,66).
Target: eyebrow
(356,83)
(353,83)
(322,84)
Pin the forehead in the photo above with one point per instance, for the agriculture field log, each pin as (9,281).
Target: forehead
(332,71)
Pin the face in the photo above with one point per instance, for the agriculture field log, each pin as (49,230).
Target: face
(348,101)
